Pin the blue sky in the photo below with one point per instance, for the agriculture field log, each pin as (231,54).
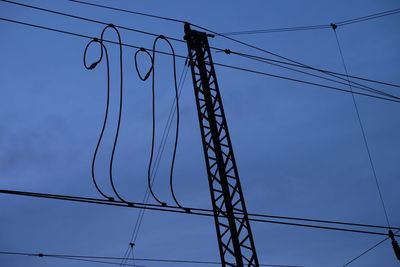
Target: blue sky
(299,148)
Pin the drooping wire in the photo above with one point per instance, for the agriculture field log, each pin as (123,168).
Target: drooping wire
(177,124)
(111,26)
(159,154)
(161,37)
(91,67)
(362,130)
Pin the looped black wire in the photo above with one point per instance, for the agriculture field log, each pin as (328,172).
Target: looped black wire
(136,64)
(119,113)
(92,66)
(153,129)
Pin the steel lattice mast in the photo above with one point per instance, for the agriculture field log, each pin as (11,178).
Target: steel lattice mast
(235,240)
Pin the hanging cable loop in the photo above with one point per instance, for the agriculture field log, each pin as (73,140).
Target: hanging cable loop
(142,49)
(90,67)
(111,26)
(161,37)
(94,64)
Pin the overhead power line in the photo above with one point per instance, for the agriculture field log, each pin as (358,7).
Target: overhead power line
(179,40)
(259,58)
(100,259)
(286,29)
(129,11)
(217,64)
(369,17)
(194,211)
(234,40)
(88,19)
(316,27)
(345,81)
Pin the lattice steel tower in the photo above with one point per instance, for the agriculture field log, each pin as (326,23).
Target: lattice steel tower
(235,240)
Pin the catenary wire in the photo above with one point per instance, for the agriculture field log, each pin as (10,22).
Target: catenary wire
(356,85)
(217,64)
(173,209)
(316,27)
(363,132)
(304,82)
(180,261)
(285,29)
(128,11)
(261,50)
(93,261)
(222,35)
(268,52)
(87,19)
(91,67)
(193,211)
(369,17)
(259,58)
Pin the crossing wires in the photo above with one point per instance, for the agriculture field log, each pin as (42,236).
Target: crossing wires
(286,64)
(316,27)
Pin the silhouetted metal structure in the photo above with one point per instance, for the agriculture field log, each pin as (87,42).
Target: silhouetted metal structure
(235,240)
